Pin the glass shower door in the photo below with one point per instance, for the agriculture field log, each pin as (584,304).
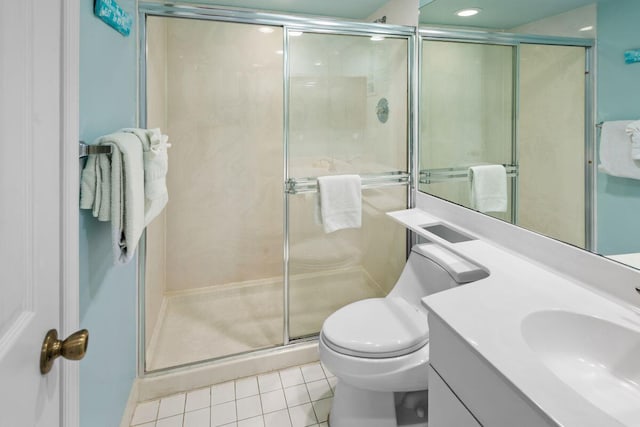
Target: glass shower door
(213,267)
(348,114)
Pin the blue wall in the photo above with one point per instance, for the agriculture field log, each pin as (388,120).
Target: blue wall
(618,99)
(107,292)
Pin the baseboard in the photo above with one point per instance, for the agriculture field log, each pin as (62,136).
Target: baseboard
(153,386)
(131,404)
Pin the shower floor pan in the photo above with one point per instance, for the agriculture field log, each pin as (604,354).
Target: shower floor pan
(230,319)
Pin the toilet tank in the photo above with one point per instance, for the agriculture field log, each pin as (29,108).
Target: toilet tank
(432,268)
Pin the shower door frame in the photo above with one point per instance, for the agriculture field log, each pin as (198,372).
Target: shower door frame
(516,41)
(288,23)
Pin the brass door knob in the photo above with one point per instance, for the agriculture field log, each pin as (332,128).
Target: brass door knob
(73,348)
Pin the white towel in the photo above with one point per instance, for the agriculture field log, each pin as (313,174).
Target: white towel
(340,202)
(633,130)
(113,187)
(615,151)
(488,188)
(156,162)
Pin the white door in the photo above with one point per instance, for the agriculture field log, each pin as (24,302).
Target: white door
(31,125)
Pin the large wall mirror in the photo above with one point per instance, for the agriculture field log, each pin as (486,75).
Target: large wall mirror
(509,114)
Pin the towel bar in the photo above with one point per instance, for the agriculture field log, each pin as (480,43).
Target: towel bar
(429,176)
(310,184)
(86,149)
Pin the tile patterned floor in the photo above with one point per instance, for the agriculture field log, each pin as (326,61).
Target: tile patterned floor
(294,397)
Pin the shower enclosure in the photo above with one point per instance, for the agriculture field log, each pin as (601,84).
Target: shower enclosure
(257,106)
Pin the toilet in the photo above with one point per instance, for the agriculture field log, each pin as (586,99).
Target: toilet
(378,348)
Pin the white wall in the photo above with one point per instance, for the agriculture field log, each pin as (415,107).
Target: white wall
(566,24)
(398,12)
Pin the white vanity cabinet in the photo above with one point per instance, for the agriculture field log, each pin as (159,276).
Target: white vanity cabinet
(466,391)
(445,410)
(532,344)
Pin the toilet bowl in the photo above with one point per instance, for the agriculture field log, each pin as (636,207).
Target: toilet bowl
(379,347)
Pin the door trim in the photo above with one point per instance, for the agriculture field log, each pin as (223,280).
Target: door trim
(69,171)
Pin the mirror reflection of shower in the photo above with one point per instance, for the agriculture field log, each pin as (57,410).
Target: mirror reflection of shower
(552,74)
(521,104)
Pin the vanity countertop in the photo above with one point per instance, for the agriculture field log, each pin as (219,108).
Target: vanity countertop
(632,259)
(488,315)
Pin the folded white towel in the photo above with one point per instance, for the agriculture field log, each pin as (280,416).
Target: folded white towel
(633,130)
(156,163)
(488,188)
(615,151)
(340,202)
(113,187)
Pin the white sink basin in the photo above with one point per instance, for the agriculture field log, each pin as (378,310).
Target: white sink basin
(600,360)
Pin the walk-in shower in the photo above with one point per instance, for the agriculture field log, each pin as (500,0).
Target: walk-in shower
(257,106)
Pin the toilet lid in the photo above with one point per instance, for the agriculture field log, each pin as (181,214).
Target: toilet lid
(376,328)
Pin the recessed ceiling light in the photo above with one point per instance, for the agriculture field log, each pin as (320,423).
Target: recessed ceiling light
(265,30)
(587,28)
(295,33)
(465,13)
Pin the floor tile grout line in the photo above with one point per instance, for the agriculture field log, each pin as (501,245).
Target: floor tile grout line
(315,413)
(184,407)
(281,387)
(306,387)
(289,415)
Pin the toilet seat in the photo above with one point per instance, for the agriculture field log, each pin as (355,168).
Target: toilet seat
(376,328)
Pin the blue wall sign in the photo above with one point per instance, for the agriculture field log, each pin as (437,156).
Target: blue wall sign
(632,56)
(111,13)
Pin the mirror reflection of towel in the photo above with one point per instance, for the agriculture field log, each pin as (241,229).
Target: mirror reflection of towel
(488,188)
(615,151)
(633,130)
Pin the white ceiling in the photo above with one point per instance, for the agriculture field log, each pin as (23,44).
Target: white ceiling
(496,14)
(349,9)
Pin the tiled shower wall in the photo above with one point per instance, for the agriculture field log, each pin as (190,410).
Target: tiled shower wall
(224,116)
